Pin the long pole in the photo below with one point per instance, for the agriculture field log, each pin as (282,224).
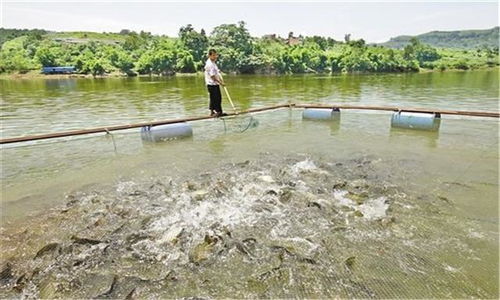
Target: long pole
(230,101)
(123,127)
(290,105)
(228,96)
(393,108)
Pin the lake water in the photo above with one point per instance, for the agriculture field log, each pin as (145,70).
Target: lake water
(289,208)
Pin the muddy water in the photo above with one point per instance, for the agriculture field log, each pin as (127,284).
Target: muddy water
(288,209)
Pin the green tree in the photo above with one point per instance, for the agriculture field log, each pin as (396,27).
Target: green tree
(47,56)
(144,64)
(196,43)
(122,61)
(132,42)
(234,44)
(232,36)
(89,63)
(356,61)
(357,43)
(163,62)
(185,62)
(15,61)
(421,52)
(97,67)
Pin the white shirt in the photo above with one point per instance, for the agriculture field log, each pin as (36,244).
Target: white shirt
(211,69)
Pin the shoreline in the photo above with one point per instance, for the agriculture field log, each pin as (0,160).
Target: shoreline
(37,75)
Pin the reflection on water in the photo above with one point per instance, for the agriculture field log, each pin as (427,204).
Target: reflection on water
(358,194)
(333,124)
(428,137)
(40,106)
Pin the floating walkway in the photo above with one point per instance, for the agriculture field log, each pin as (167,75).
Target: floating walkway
(414,118)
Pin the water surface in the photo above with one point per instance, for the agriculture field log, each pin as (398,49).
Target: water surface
(425,202)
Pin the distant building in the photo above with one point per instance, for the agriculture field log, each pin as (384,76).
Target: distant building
(269,36)
(293,40)
(58,70)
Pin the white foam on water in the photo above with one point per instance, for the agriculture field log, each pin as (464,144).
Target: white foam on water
(374,208)
(266,178)
(451,269)
(301,186)
(235,208)
(304,166)
(339,195)
(311,247)
(172,233)
(125,186)
(475,234)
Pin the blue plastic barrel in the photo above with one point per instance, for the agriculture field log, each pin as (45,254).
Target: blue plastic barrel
(320,114)
(420,121)
(166,132)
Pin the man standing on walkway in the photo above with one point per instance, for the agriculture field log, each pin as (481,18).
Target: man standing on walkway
(213,80)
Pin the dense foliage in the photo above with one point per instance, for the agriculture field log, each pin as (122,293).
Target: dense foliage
(134,53)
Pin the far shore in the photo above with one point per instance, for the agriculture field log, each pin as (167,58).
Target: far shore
(39,75)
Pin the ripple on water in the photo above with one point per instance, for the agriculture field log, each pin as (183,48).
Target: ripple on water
(273,227)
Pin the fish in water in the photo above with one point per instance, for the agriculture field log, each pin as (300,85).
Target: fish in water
(49,248)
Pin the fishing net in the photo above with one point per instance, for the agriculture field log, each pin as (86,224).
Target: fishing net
(239,123)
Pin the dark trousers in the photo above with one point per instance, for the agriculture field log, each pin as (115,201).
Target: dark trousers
(215,98)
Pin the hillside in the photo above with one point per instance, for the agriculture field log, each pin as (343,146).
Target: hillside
(76,37)
(141,53)
(460,39)
(82,37)
(7,34)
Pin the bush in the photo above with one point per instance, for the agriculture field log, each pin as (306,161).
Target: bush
(461,65)
(185,62)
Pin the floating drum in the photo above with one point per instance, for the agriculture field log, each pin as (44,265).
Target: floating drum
(166,132)
(320,114)
(420,121)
